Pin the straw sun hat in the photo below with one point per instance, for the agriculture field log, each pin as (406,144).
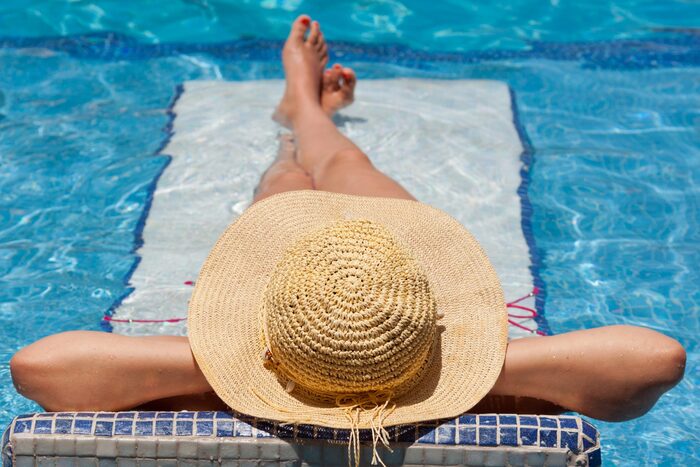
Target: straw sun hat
(348,312)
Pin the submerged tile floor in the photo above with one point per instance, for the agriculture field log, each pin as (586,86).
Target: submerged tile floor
(220,438)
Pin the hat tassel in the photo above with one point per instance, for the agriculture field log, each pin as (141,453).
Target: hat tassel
(353,406)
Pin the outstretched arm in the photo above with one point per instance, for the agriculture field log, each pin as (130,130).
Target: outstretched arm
(611,373)
(86,370)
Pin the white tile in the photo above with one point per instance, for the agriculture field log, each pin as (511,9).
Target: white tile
(495,457)
(287,451)
(146,447)
(535,458)
(106,447)
(557,457)
(65,462)
(166,448)
(24,461)
(186,449)
(86,462)
(146,463)
(107,462)
(516,457)
(85,446)
(64,446)
(44,446)
(166,462)
(248,450)
(453,456)
(414,455)
(474,457)
(126,447)
(207,449)
(45,461)
(228,450)
(23,444)
(126,462)
(433,455)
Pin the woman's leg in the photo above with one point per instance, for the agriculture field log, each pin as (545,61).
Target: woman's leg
(333,161)
(284,174)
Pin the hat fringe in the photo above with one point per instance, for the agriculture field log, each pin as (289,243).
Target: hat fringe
(353,406)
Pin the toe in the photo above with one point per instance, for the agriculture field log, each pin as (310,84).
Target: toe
(331,79)
(323,53)
(349,78)
(321,42)
(299,28)
(314,33)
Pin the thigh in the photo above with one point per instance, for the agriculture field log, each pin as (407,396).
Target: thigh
(275,182)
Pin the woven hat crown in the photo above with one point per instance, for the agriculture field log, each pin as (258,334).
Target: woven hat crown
(348,311)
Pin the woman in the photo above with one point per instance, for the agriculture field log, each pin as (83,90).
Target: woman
(610,373)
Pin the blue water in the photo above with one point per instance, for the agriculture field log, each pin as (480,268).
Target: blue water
(608,94)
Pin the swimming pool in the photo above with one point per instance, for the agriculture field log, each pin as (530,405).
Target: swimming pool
(609,103)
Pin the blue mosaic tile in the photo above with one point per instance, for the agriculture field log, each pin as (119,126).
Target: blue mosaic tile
(205,428)
(528,436)
(567,422)
(43,427)
(221,414)
(63,426)
(426,434)
(146,415)
(224,428)
(305,431)
(258,433)
(528,421)
(126,414)
(548,438)
(82,427)
(548,422)
(446,435)
(406,434)
(587,444)
(487,437)
(467,420)
(285,431)
(569,439)
(595,458)
(509,436)
(205,415)
(323,432)
(65,414)
(242,429)
(366,435)
(181,415)
(25,415)
(164,427)
(450,422)
(183,428)
(105,415)
(85,414)
(22,426)
(144,428)
(589,430)
(123,427)
(103,428)
(507,420)
(45,415)
(165,415)
(467,435)
(490,420)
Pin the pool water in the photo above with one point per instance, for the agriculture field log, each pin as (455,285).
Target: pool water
(607,93)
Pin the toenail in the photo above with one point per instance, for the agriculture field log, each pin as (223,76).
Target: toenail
(336,66)
(305,21)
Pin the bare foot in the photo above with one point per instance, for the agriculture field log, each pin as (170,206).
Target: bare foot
(304,59)
(338,90)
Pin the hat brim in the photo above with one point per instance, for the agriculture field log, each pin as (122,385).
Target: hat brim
(224,327)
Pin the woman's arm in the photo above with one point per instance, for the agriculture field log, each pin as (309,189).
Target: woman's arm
(611,373)
(85,370)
